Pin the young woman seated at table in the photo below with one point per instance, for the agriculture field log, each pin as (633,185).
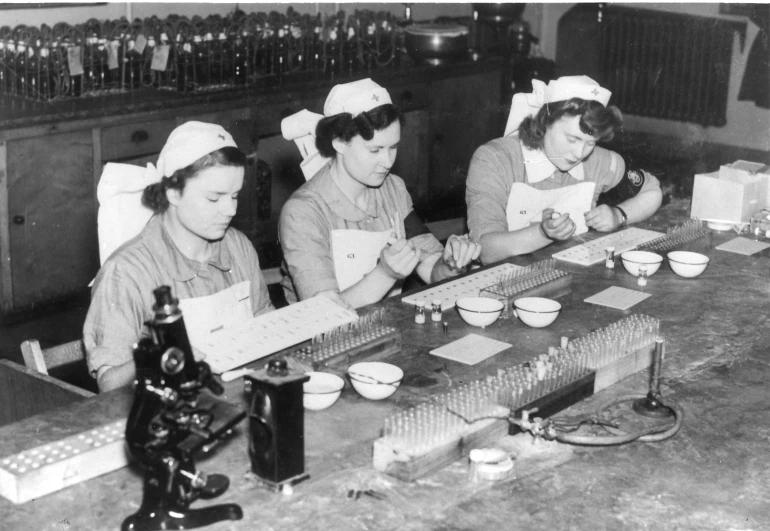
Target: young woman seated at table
(350,233)
(186,244)
(540,182)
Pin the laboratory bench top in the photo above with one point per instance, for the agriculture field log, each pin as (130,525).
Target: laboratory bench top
(711,475)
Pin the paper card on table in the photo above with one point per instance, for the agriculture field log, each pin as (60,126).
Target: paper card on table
(617,297)
(743,246)
(471,349)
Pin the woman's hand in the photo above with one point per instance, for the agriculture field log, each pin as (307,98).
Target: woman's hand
(399,258)
(603,218)
(459,252)
(558,227)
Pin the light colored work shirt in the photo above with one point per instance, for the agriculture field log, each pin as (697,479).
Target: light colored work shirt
(122,295)
(320,207)
(500,163)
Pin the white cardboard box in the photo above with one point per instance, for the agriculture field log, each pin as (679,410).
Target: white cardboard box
(742,169)
(730,200)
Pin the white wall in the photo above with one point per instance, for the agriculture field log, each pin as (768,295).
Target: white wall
(747,125)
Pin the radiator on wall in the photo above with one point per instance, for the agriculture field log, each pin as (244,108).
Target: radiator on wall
(663,65)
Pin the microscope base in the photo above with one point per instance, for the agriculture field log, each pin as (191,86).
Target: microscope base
(155,519)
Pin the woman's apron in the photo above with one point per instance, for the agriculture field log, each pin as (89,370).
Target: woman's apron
(356,253)
(204,315)
(526,204)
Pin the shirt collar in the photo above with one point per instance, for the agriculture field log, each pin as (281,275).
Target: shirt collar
(338,201)
(171,258)
(539,167)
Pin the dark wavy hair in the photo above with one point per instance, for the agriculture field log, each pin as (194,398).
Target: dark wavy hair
(154,196)
(344,126)
(595,119)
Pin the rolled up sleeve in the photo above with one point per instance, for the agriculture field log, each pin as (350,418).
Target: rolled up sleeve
(114,321)
(305,239)
(486,194)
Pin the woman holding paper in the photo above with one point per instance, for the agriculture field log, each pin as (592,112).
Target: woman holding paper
(540,182)
(350,232)
(186,243)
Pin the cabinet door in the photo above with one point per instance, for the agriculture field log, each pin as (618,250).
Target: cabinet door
(465,113)
(52,209)
(413,160)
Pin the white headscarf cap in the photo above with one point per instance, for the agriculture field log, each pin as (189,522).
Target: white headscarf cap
(189,142)
(564,88)
(354,98)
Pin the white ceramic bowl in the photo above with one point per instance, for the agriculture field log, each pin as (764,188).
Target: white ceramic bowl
(375,380)
(687,264)
(633,259)
(322,390)
(479,311)
(536,312)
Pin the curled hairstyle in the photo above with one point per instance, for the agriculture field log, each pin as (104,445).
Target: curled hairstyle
(595,119)
(154,195)
(344,126)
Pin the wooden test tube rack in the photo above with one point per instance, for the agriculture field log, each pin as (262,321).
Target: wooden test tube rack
(428,437)
(50,467)
(368,339)
(541,279)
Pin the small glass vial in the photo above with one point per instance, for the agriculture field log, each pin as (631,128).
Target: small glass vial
(609,261)
(642,278)
(419,312)
(435,312)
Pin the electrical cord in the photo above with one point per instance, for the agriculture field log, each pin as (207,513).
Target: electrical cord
(618,436)
(555,429)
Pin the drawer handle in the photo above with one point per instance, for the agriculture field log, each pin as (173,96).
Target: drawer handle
(407,96)
(18,219)
(137,137)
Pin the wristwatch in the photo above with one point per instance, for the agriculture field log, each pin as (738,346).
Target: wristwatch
(624,219)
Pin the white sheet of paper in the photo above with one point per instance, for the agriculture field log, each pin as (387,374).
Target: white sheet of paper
(742,245)
(617,297)
(242,343)
(470,349)
(468,286)
(593,251)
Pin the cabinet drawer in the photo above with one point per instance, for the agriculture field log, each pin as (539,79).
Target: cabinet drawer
(135,139)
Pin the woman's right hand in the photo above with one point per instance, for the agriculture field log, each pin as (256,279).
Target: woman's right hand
(399,258)
(559,227)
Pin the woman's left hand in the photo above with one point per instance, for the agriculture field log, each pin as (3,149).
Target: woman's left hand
(602,218)
(459,252)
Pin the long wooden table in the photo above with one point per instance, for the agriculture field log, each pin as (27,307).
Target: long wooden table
(711,475)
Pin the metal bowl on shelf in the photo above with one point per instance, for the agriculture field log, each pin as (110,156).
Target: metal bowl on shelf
(500,13)
(436,43)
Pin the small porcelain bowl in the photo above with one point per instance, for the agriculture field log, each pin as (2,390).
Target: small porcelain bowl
(687,264)
(536,312)
(633,259)
(322,390)
(479,311)
(375,380)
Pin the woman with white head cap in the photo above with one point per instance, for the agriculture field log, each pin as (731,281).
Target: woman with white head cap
(350,233)
(186,243)
(542,180)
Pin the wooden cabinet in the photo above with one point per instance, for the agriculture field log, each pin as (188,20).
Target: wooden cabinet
(50,164)
(52,209)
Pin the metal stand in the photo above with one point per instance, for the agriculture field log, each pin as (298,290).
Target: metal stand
(650,406)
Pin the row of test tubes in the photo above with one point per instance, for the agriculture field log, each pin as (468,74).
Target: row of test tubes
(451,416)
(686,232)
(343,338)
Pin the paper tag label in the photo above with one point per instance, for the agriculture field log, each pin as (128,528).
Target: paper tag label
(160,57)
(73,61)
(140,44)
(112,55)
